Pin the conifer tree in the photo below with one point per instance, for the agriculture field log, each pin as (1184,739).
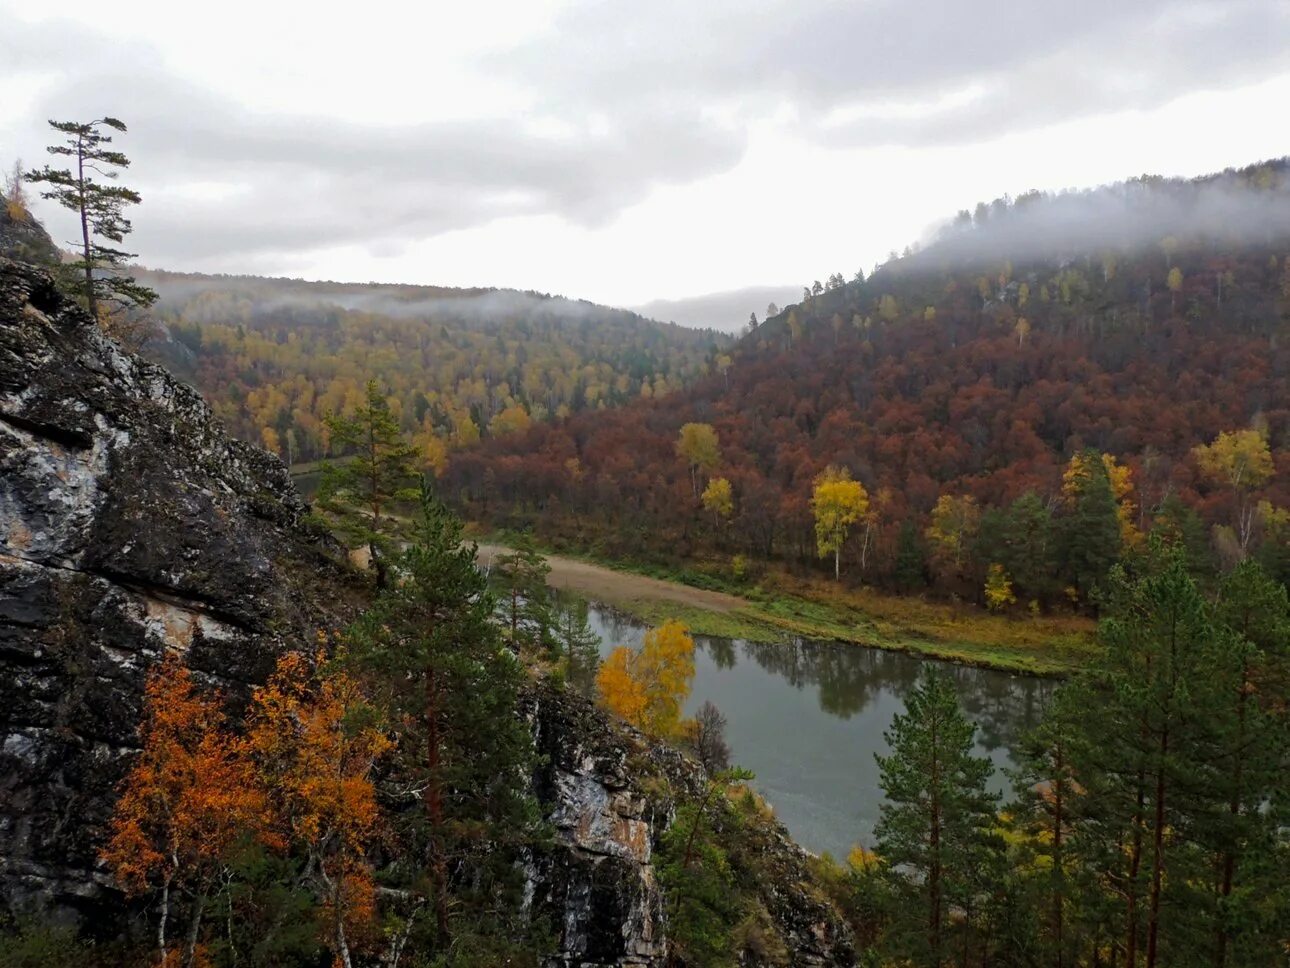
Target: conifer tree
(520,578)
(1090,526)
(1244,751)
(580,645)
(99,204)
(1137,758)
(438,671)
(1028,545)
(936,822)
(359,491)
(1043,819)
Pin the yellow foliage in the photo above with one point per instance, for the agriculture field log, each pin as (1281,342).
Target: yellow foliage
(998,589)
(511,420)
(648,686)
(620,689)
(1238,458)
(837,502)
(433,450)
(954,523)
(718,498)
(697,443)
(271,442)
(861,860)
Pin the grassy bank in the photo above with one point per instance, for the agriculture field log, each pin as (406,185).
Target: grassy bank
(775,604)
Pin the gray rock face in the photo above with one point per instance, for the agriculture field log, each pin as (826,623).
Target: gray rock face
(131,525)
(599,885)
(26,239)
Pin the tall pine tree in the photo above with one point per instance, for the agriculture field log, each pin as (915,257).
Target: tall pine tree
(99,204)
(935,827)
(436,666)
(360,490)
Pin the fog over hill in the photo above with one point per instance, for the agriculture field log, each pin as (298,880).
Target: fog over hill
(727,311)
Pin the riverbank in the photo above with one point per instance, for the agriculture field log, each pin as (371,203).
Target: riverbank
(779,605)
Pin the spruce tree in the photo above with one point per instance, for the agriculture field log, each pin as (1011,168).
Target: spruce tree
(935,827)
(1178,524)
(435,664)
(99,205)
(359,491)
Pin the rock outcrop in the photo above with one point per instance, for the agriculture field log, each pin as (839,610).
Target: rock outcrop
(611,794)
(23,238)
(131,524)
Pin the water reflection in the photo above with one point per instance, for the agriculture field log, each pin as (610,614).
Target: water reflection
(808,717)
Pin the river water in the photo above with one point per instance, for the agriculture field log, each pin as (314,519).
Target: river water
(808,717)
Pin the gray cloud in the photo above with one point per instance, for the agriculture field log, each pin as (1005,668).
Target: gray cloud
(1030,63)
(306,182)
(645,94)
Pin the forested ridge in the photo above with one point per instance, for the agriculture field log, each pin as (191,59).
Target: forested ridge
(275,356)
(1050,369)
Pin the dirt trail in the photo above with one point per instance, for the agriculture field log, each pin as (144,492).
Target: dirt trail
(617,588)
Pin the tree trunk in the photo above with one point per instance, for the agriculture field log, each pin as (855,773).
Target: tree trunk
(199,904)
(165,916)
(1135,865)
(85,230)
(1234,808)
(1058,869)
(1157,854)
(434,814)
(934,867)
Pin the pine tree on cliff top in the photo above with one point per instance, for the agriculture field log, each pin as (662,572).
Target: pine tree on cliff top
(99,204)
(360,491)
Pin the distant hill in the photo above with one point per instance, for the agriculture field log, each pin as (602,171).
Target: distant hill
(1139,320)
(725,311)
(274,356)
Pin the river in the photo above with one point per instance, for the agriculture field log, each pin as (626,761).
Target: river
(808,717)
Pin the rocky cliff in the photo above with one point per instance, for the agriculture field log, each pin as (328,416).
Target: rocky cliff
(611,794)
(132,524)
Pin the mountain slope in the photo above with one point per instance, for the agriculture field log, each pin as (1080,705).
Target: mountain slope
(274,356)
(978,367)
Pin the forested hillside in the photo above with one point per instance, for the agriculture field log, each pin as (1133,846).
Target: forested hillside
(1019,402)
(275,356)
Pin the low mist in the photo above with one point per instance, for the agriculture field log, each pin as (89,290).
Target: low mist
(1247,207)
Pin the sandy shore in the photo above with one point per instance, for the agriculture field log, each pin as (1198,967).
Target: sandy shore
(620,588)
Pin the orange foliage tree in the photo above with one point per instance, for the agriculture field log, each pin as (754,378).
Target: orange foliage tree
(314,744)
(648,686)
(185,801)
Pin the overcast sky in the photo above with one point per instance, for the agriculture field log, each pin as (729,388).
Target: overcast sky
(628,151)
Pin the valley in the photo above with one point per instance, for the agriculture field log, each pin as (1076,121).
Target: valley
(940,617)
